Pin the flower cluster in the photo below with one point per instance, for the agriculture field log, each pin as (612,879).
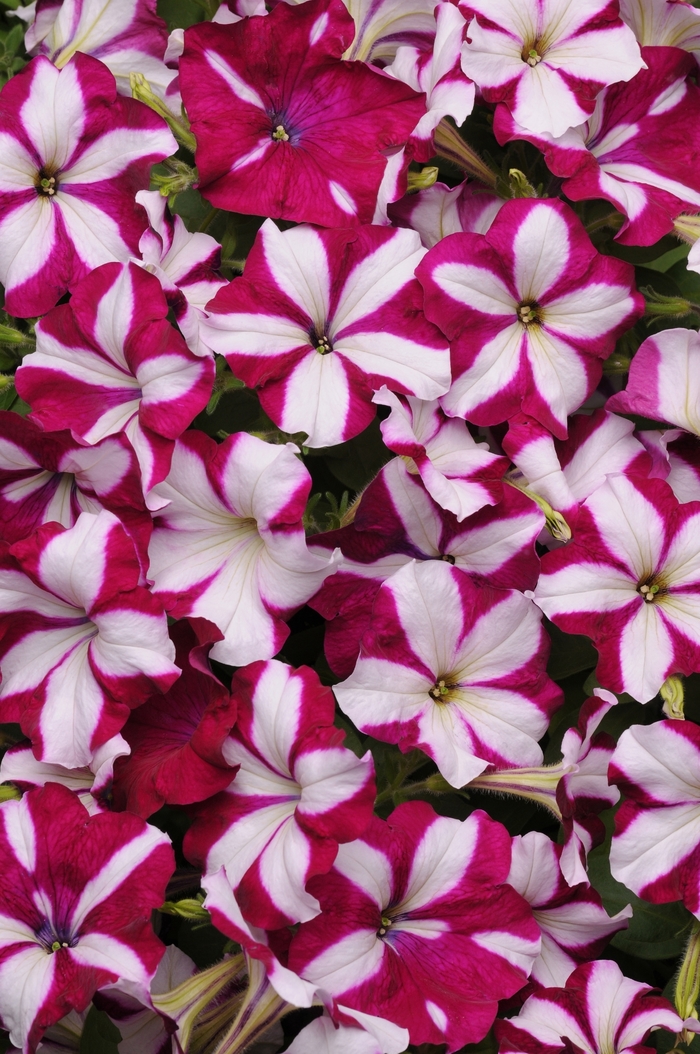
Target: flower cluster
(350,476)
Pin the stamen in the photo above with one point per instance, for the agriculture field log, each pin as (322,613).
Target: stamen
(280,134)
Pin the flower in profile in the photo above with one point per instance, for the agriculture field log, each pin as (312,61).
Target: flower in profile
(285,127)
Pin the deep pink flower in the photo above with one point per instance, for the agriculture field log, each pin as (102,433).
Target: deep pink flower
(284,127)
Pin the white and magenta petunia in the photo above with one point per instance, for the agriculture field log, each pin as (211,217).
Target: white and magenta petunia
(73,156)
(176,738)
(637,150)
(455,669)
(82,641)
(396,522)
(297,794)
(656,845)
(320,319)
(230,545)
(459,474)
(419,927)
(49,476)
(185,264)
(77,913)
(127,36)
(440,210)
(547,61)
(110,362)
(286,128)
(575,926)
(598,1010)
(663,23)
(530,308)
(664,380)
(630,580)
(382,26)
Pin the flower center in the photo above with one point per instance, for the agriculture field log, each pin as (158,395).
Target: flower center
(532,57)
(320,341)
(441,690)
(448,558)
(52,941)
(280,134)
(45,183)
(650,589)
(386,924)
(528,313)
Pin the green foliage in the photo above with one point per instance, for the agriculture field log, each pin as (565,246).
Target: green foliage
(100,1035)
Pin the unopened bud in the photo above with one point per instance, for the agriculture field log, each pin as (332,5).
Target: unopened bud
(687,228)
(8,792)
(180,176)
(688,981)
(450,145)
(142,90)
(519,185)
(660,306)
(190,908)
(423,179)
(9,335)
(673,696)
(556,524)
(186,1002)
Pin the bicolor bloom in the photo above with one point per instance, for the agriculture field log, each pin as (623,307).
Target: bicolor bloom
(73,156)
(636,150)
(297,794)
(184,263)
(230,546)
(440,210)
(575,926)
(82,640)
(438,73)
(566,472)
(663,23)
(455,669)
(176,738)
(127,37)
(320,319)
(324,1036)
(419,927)
(598,1010)
(664,380)
(49,476)
(459,474)
(110,362)
(92,783)
(396,522)
(547,62)
(530,308)
(77,913)
(630,580)
(285,128)
(656,845)
(382,26)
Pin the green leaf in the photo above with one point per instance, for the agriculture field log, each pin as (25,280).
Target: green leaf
(100,1035)
(358,461)
(179,14)
(570,653)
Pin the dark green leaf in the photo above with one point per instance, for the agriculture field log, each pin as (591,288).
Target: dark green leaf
(100,1034)
(357,462)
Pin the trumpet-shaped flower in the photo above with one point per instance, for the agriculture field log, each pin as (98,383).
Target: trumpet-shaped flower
(454,669)
(419,927)
(531,308)
(75,915)
(630,580)
(73,156)
(286,128)
(663,23)
(110,362)
(82,641)
(230,545)
(321,319)
(547,62)
(297,793)
(440,210)
(664,380)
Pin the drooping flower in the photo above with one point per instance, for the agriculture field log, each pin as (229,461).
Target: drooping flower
(82,641)
(664,380)
(75,915)
(656,845)
(185,264)
(637,149)
(284,127)
(230,546)
(575,926)
(598,1010)
(547,63)
(630,580)
(297,793)
(530,308)
(176,738)
(459,474)
(320,319)
(396,522)
(110,362)
(128,37)
(455,669)
(74,154)
(419,927)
